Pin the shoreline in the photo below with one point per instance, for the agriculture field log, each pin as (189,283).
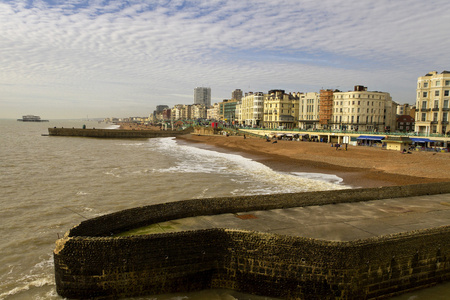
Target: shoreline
(359,167)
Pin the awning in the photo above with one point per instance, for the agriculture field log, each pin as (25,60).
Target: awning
(370,137)
(422,140)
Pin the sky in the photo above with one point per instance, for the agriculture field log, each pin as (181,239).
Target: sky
(73,59)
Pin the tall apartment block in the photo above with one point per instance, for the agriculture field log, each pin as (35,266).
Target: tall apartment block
(432,104)
(236,95)
(202,95)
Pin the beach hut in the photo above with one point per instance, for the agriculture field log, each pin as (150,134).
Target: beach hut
(370,140)
(399,143)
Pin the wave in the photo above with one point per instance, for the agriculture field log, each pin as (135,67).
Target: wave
(262,179)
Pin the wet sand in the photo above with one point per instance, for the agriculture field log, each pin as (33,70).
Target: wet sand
(359,166)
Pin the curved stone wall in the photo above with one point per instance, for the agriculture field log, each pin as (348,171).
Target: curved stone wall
(89,262)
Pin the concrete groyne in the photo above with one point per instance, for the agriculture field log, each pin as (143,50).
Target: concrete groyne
(90,262)
(115,133)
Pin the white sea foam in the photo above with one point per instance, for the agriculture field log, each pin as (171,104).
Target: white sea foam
(33,279)
(320,176)
(190,159)
(113,126)
(39,282)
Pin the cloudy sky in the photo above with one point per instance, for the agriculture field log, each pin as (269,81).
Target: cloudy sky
(70,59)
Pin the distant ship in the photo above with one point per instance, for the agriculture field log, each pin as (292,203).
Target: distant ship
(31,118)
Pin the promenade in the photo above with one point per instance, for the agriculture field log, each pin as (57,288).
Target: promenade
(332,222)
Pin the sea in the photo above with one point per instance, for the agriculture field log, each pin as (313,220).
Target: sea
(50,184)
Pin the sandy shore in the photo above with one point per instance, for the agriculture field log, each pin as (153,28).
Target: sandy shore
(359,166)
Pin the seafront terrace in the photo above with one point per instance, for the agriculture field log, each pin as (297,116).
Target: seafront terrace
(337,136)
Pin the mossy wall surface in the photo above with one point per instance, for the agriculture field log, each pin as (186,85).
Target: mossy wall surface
(90,263)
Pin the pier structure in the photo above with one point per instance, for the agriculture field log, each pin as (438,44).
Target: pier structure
(346,244)
(115,133)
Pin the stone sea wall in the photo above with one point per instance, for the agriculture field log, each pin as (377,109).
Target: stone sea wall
(115,133)
(90,262)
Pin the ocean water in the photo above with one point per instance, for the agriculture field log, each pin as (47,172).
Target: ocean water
(50,184)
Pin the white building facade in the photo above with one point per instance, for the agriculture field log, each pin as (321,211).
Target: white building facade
(308,111)
(362,110)
(432,104)
(251,109)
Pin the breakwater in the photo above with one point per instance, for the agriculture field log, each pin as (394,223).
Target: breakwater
(91,262)
(116,133)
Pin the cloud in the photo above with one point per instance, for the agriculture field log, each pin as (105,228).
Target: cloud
(147,52)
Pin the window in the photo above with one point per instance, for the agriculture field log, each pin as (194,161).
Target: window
(446,103)
(425,94)
(424,117)
(436,103)
(435,117)
(425,84)
(436,93)
(438,83)
(424,104)
(447,82)
(445,117)
(446,93)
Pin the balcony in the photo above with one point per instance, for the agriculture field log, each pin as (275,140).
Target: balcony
(435,109)
(425,109)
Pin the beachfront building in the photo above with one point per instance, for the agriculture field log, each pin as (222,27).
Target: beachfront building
(202,95)
(405,123)
(308,114)
(212,113)
(325,108)
(249,111)
(403,109)
(181,112)
(280,110)
(198,111)
(432,104)
(227,111)
(363,110)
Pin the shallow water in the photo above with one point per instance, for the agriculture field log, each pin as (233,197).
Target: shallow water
(49,184)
